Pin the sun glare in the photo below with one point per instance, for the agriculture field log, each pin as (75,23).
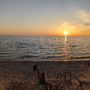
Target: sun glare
(65,33)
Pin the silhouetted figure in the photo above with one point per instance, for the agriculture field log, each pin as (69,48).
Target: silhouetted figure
(35,67)
(41,75)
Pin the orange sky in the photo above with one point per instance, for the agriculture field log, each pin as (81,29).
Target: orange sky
(44,31)
(49,17)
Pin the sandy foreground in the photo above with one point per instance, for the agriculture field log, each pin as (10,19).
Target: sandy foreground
(19,75)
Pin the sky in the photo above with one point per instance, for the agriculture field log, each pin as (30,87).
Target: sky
(45,17)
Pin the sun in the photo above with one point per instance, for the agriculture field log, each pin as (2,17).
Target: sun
(65,33)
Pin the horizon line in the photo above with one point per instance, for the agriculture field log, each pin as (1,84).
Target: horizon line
(47,35)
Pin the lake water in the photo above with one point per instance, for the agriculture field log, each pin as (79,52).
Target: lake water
(44,48)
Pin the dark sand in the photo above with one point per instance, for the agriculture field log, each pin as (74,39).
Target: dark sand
(23,71)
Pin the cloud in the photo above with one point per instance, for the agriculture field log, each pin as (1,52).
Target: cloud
(67,25)
(86,24)
(84,16)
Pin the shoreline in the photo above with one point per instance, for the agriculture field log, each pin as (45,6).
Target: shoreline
(46,60)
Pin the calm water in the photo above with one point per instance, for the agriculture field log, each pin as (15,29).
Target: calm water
(43,48)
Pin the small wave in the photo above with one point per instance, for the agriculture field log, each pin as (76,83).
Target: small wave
(80,57)
(73,46)
(2,53)
(21,45)
(28,56)
(50,57)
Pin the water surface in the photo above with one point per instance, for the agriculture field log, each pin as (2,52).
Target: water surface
(44,48)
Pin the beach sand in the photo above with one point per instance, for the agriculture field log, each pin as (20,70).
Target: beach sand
(14,72)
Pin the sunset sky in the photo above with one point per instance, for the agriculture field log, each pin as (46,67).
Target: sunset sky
(45,17)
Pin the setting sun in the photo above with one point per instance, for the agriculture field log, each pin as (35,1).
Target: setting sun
(65,33)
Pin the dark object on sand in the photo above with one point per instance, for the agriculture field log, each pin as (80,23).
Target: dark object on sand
(41,75)
(42,78)
(35,67)
(89,63)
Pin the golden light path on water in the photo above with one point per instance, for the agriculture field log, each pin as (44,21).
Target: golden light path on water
(65,34)
(65,45)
